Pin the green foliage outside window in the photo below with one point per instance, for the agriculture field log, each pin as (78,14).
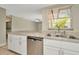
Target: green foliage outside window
(60,23)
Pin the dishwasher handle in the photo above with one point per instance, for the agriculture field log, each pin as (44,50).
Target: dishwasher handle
(35,38)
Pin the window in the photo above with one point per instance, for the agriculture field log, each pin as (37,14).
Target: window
(60,18)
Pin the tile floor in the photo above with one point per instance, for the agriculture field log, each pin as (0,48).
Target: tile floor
(4,51)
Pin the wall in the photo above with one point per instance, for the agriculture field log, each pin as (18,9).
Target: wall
(75,15)
(2,27)
(39,26)
(44,21)
(20,24)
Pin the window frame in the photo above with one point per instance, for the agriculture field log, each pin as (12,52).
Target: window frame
(69,7)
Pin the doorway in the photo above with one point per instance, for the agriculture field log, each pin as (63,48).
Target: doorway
(8,25)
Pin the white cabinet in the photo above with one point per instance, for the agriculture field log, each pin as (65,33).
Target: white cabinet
(11,42)
(69,52)
(57,47)
(51,50)
(17,43)
(51,47)
(23,45)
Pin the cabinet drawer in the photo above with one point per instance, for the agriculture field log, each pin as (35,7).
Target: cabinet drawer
(51,42)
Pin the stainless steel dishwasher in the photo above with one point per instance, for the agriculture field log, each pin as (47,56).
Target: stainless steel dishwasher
(34,45)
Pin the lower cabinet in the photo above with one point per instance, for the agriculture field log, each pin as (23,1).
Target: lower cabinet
(11,42)
(51,50)
(58,51)
(69,52)
(53,47)
(23,45)
(17,43)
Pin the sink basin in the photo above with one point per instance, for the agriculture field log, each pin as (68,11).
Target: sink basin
(70,37)
(61,36)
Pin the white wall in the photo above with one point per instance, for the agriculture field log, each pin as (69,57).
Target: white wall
(2,27)
(20,24)
(75,15)
(44,21)
(39,26)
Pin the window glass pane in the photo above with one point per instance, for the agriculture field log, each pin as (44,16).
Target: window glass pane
(64,13)
(61,23)
(59,20)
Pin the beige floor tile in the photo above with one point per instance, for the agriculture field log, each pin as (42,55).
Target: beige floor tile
(4,51)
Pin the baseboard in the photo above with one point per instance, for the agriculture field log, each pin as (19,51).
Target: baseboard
(2,44)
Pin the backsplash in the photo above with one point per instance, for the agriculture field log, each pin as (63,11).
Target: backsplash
(61,32)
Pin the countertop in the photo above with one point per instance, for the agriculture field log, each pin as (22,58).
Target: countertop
(25,33)
(63,39)
(44,35)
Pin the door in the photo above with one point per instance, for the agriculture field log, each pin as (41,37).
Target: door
(69,52)
(16,45)
(52,46)
(22,45)
(11,42)
(51,50)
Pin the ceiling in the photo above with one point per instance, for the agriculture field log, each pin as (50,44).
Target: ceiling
(27,11)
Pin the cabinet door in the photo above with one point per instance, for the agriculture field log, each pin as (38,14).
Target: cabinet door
(23,44)
(52,46)
(52,42)
(16,45)
(11,42)
(69,52)
(51,50)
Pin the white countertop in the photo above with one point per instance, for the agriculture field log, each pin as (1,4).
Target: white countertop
(39,34)
(63,39)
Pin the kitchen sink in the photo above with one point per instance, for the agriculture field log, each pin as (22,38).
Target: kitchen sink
(60,36)
(64,36)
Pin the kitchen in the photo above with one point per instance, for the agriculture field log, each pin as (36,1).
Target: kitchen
(40,36)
